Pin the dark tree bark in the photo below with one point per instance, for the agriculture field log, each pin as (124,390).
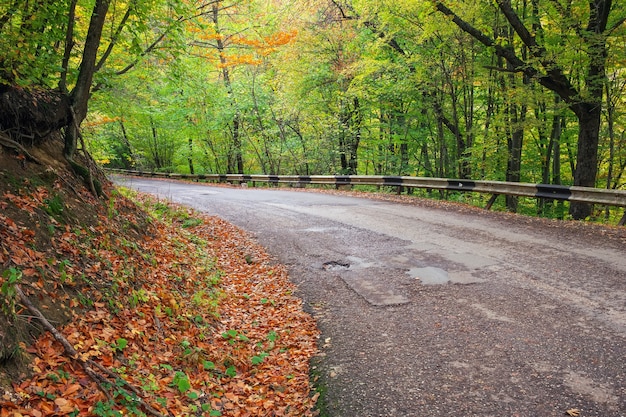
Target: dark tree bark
(350,136)
(80,94)
(192,170)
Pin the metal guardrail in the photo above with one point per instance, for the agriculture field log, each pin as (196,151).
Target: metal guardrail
(495,188)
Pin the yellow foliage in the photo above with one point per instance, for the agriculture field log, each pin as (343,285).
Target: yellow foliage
(99,119)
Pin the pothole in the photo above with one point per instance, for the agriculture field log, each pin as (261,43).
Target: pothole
(336,266)
(430,275)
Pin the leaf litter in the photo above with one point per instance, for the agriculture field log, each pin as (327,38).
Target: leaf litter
(190,317)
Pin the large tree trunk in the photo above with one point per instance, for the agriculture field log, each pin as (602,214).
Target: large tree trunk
(350,121)
(589,113)
(82,91)
(587,157)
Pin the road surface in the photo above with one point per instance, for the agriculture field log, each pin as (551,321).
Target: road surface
(432,311)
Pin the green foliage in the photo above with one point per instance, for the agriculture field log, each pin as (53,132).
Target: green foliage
(138,297)
(119,345)
(64,276)
(55,206)
(258,359)
(106,409)
(8,292)
(397,89)
(29,38)
(231,372)
(181,382)
(191,222)
(234,336)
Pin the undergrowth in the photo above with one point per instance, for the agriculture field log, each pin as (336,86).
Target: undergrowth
(169,301)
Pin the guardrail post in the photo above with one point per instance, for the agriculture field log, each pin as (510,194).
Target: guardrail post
(622,221)
(492,200)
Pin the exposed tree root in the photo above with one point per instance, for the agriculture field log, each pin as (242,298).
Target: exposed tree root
(83,171)
(9,143)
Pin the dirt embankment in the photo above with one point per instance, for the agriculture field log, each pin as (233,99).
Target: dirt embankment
(176,313)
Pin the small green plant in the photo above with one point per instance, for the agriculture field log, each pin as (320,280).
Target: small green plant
(46,395)
(166,367)
(199,298)
(191,353)
(63,275)
(8,290)
(233,336)
(54,206)
(258,359)
(181,382)
(106,409)
(191,222)
(272,336)
(267,301)
(231,371)
(137,297)
(112,211)
(119,345)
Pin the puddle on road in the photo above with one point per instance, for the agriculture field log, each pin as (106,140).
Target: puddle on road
(430,275)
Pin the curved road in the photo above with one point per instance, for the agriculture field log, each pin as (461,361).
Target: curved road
(442,311)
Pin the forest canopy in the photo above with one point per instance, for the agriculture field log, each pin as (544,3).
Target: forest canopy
(516,90)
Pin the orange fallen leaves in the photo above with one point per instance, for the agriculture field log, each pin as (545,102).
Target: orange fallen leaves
(185,317)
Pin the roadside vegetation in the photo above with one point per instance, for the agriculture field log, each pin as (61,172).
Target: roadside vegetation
(155,309)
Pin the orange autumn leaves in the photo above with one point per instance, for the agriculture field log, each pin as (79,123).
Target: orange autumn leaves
(196,318)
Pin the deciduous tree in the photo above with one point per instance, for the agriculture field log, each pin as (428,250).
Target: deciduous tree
(545,65)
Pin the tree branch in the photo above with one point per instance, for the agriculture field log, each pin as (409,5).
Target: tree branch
(518,26)
(554,79)
(566,14)
(616,25)
(340,7)
(69,45)
(149,49)
(115,37)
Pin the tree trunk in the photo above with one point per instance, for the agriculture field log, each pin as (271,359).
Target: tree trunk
(156,150)
(587,157)
(190,156)
(130,160)
(82,91)
(235,157)
(514,163)
(350,121)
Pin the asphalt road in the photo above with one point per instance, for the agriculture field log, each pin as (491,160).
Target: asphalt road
(440,311)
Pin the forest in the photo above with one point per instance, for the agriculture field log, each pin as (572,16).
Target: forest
(511,90)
